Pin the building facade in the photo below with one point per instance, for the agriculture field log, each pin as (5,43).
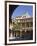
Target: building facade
(24,25)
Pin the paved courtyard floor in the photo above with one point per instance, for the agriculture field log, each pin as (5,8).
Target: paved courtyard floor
(23,37)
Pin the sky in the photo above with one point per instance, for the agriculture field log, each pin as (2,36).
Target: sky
(23,9)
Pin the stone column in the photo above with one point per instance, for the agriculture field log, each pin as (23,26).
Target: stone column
(20,33)
(14,34)
(25,30)
(25,26)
